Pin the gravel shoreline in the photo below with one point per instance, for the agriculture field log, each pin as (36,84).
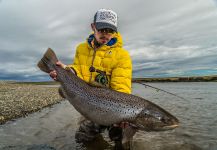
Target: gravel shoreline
(18,100)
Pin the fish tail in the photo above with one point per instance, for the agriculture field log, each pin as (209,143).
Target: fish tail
(48,61)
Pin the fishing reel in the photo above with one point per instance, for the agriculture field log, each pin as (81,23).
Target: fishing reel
(101,77)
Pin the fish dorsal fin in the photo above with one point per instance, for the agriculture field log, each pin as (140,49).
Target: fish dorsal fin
(61,92)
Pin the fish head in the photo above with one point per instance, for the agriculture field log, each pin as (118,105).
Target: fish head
(155,118)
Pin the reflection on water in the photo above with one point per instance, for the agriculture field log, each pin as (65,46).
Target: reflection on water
(54,128)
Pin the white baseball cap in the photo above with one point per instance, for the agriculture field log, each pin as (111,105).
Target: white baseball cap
(105,18)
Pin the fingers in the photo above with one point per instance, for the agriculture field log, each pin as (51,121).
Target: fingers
(59,63)
(122,125)
(53,74)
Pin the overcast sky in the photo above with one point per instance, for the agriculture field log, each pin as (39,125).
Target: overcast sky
(163,37)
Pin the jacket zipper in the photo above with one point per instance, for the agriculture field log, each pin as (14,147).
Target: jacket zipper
(94,55)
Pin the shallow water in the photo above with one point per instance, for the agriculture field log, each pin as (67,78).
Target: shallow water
(54,128)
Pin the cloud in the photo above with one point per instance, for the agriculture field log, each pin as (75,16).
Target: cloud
(173,61)
(166,38)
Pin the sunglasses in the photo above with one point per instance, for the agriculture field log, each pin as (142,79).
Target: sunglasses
(106,30)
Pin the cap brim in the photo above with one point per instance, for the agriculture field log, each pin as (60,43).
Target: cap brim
(103,25)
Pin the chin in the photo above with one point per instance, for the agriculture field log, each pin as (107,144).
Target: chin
(103,42)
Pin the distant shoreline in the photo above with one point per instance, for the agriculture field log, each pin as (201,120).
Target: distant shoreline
(178,79)
(211,78)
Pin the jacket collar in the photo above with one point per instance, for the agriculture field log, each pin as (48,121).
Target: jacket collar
(115,42)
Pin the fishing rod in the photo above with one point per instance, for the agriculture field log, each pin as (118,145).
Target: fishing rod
(159,89)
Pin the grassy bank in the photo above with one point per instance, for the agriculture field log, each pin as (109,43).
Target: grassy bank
(20,99)
(179,79)
(39,83)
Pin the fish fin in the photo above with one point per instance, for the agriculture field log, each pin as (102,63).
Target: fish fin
(81,120)
(61,92)
(128,133)
(48,61)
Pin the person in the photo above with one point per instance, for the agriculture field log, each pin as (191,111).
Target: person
(101,60)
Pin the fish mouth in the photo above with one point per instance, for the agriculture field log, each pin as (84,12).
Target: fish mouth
(159,128)
(165,128)
(171,126)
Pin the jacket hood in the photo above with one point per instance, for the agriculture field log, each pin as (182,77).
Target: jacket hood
(116,41)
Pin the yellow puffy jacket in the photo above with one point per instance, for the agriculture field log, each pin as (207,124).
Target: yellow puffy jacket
(111,58)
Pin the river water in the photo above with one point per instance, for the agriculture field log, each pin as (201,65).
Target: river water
(54,128)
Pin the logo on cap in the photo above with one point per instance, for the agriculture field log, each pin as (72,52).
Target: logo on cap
(106,19)
(107,16)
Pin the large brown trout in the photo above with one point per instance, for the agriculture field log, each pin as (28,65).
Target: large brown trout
(105,106)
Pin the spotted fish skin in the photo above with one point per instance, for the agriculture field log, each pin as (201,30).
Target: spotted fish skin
(105,106)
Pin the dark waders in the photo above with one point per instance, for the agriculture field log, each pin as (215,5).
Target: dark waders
(88,132)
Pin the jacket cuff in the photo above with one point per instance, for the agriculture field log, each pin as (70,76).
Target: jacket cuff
(72,69)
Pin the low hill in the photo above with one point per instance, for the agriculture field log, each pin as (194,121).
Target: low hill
(179,79)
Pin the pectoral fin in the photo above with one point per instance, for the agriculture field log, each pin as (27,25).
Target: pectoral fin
(61,92)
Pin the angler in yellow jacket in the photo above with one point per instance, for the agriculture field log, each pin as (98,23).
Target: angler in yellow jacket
(101,60)
(109,59)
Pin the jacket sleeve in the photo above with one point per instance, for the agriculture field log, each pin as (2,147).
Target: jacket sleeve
(76,66)
(122,74)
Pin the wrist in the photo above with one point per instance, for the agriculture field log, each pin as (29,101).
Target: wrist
(64,66)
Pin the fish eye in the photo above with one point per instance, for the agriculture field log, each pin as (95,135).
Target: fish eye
(163,119)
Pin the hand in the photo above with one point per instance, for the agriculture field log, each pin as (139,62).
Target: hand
(53,73)
(122,125)
(62,65)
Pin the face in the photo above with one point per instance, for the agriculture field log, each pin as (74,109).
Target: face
(102,36)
